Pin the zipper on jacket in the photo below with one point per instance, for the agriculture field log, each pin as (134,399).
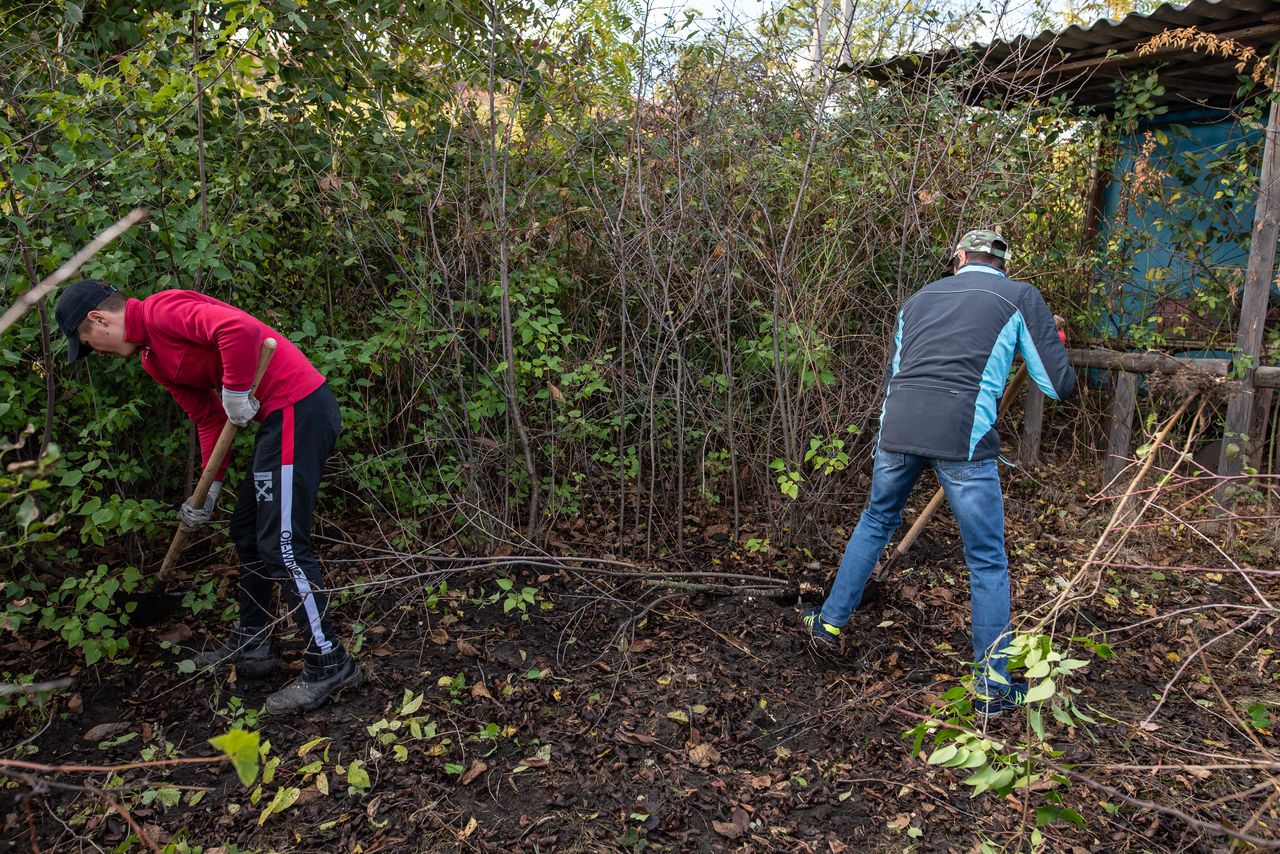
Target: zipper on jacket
(928,388)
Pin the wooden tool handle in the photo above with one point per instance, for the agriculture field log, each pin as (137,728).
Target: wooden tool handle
(220,450)
(229,430)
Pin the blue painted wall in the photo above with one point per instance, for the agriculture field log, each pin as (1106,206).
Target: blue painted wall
(1171,245)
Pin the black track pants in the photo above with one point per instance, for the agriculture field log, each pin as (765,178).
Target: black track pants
(271,525)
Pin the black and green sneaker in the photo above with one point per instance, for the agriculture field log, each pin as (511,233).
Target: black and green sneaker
(821,632)
(996,699)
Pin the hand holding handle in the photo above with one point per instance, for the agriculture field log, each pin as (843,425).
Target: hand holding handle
(219,454)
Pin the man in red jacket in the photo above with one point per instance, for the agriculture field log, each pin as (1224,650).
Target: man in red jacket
(205,353)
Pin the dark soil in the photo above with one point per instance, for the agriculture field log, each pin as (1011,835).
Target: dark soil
(616,717)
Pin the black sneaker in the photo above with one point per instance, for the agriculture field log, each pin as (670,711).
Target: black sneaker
(314,688)
(1001,699)
(253,654)
(821,633)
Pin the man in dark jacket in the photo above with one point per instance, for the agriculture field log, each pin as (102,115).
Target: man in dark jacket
(205,352)
(952,350)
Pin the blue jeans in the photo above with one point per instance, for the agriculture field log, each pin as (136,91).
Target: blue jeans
(973,491)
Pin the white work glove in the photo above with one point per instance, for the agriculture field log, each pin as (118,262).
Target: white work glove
(194,517)
(240,406)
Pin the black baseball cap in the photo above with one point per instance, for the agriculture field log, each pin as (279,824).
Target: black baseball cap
(74,304)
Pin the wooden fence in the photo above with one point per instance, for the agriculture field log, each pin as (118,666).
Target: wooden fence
(1128,368)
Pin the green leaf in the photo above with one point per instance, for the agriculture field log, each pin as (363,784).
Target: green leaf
(943,754)
(99,621)
(27,512)
(242,748)
(1071,816)
(285,797)
(1037,722)
(357,776)
(1041,691)
(981,779)
(1002,779)
(412,705)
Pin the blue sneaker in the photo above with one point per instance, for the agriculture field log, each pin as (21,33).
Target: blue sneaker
(1001,698)
(821,632)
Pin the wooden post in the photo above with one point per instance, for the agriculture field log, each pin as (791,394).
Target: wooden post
(1120,430)
(1258,433)
(1032,422)
(1274,465)
(1258,276)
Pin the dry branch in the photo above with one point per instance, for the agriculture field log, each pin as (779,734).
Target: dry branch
(28,300)
(36,687)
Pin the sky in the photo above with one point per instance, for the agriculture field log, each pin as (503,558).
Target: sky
(750,10)
(745,10)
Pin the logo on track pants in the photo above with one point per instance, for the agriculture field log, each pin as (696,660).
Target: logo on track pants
(262,487)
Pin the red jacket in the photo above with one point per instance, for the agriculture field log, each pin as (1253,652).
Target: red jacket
(195,345)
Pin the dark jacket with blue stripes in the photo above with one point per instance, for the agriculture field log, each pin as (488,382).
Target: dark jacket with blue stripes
(951,355)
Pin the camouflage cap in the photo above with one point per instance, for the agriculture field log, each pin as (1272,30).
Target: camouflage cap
(984,240)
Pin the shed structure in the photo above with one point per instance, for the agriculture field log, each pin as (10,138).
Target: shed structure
(1194,88)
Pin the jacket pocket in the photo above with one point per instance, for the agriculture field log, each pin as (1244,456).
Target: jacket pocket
(927,387)
(928,420)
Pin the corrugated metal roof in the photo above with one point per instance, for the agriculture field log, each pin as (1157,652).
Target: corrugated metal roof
(1083,63)
(1169,16)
